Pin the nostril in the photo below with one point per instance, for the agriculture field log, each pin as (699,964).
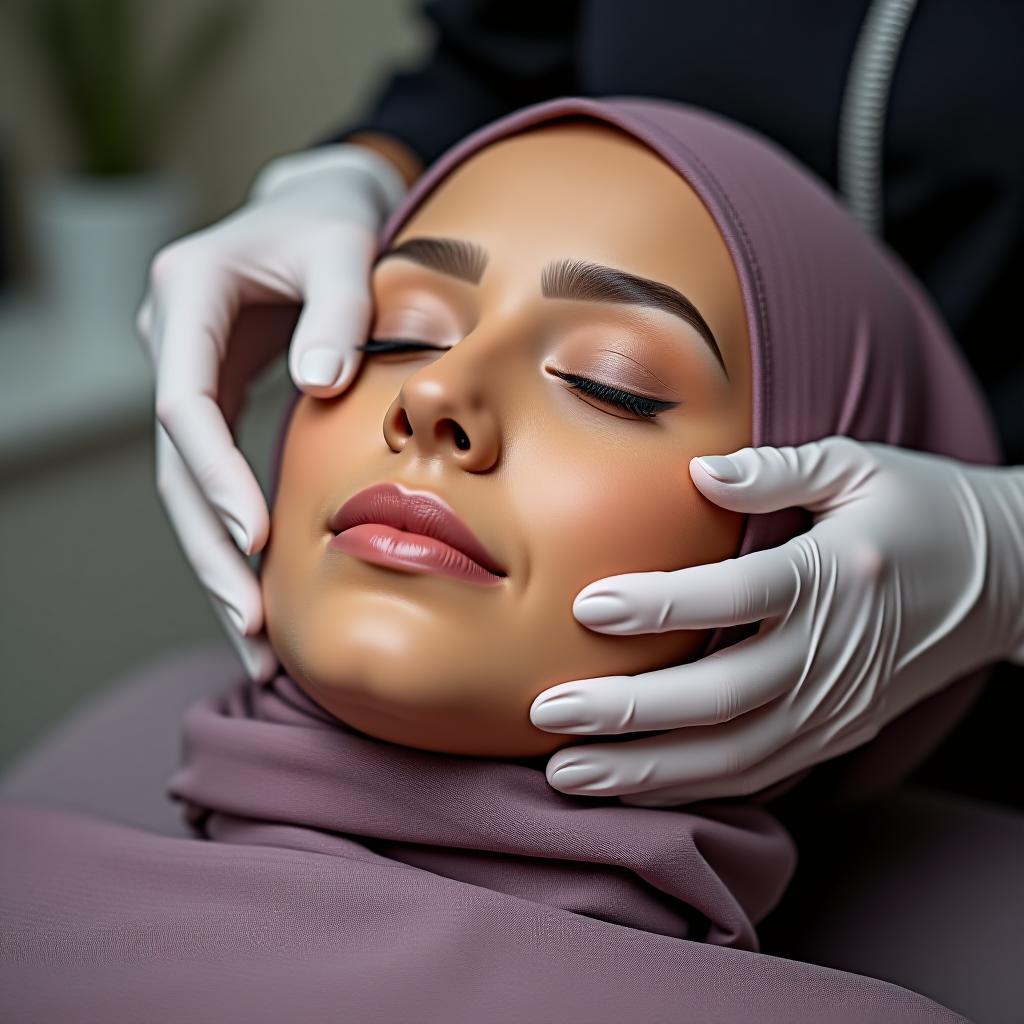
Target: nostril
(403,424)
(459,436)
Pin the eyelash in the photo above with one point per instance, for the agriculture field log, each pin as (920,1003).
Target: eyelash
(638,405)
(380,346)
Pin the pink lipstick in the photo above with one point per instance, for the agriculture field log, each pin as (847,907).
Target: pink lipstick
(411,531)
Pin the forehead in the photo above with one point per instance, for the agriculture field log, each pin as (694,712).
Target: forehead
(578,189)
(585,190)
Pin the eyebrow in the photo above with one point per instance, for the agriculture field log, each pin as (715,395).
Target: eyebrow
(574,279)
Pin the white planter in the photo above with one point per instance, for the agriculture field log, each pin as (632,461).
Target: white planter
(93,239)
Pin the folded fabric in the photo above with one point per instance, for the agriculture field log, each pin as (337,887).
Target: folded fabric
(353,879)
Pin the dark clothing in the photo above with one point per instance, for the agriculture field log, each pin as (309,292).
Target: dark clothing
(954,144)
(953,165)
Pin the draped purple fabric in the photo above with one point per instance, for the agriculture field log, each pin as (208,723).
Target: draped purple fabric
(843,340)
(337,876)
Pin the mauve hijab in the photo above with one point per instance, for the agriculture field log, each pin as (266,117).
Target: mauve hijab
(350,878)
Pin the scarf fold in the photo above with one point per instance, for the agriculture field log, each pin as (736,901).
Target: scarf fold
(267,764)
(352,879)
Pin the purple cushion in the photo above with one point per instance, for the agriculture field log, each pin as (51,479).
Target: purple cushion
(921,888)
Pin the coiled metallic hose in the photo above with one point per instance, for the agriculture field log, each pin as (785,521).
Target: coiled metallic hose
(862,118)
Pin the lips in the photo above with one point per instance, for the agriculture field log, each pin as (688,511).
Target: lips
(414,531)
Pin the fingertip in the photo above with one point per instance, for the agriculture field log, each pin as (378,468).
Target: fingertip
(720,468)
(257,659)
(260,537)
(350,367)
(243,614)
(263,664)
(234,617)
(255,653)
(550,694)
(238,532)
(569,770)
(325,373)
(704,481)
(248,540)
(746,480)
(601,609)
(317,369)
(258,529)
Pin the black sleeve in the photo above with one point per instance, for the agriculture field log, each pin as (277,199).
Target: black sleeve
(489,57)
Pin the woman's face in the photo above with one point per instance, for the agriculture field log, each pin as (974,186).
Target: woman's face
(520,418)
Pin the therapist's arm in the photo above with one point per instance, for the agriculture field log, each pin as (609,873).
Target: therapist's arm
(911,576)
(397,153)
(488,58)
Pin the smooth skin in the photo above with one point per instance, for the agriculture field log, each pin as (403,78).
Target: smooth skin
(210,333)
(562,486)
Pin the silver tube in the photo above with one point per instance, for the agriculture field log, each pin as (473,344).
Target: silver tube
(862,118)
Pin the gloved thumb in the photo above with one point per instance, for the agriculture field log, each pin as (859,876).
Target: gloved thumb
(323,357)
(816,476)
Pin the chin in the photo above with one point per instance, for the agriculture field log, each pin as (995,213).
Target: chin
(370,688)
(438,733)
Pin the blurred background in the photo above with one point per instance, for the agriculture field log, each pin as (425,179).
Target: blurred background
(125,124)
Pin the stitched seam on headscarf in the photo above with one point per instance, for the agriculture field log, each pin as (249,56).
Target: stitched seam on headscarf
(755,266)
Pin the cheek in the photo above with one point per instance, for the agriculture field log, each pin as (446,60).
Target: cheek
(604,510)
(598,510)
(327,449)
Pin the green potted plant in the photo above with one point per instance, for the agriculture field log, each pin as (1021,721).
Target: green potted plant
(96,225)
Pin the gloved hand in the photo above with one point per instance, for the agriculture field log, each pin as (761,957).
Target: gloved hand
(308,234)
(911,576)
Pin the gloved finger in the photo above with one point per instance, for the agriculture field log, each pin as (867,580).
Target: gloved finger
(218,564)
(223,572)
(715,689)
(817,476)
(656,762)
(323,359)
(194,324)
(254,652)
(801,752)
(745,589)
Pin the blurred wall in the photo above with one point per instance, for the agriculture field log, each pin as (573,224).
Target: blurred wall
(299,69)
(92,582)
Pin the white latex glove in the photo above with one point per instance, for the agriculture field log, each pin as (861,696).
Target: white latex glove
(220,306)
(912,575)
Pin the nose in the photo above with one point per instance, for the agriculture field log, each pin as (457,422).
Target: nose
(441,411)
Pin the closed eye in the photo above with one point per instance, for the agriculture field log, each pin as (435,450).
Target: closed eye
(628,401)
(379,346)
(638,405)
